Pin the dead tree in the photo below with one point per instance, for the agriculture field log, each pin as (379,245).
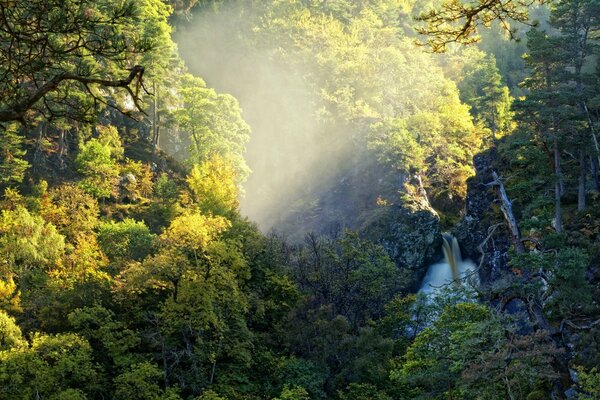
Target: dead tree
(509,216)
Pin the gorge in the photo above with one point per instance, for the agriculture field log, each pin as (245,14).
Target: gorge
(272,199)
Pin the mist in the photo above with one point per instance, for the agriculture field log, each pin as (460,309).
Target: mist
(312,88)
(291,154)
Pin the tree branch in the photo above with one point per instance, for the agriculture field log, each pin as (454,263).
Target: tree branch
(17,112)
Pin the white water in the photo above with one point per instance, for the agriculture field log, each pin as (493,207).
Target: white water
(441,274)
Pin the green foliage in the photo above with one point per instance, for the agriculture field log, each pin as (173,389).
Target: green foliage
(437,144)
(115,342)
(28,241)
(140,382)
(301,379)
(590,383)
(58,366)
(354,276)
(96,163)
(12,164)
(209,395)
(75,49)
(10,333)
(128,239)
(164,206)
(214,125)
(398,146)
(293,393)
(136,181)
(439,353)
(363,391)
(565,272)
(164,291)
(458,21)
(481,87)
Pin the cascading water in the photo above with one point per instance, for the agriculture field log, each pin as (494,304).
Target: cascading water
(450,270)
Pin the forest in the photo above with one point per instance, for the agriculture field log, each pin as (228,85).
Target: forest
(245,199)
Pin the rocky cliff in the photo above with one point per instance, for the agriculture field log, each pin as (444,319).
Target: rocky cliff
(411,234)
(482,232)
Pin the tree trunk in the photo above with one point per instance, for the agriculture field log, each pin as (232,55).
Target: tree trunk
(592,133)
(62,148)
(165,365)
(581,190)
(557,189)
(213,369)
(422,191)
(595,167)
(506,207)
(155,118)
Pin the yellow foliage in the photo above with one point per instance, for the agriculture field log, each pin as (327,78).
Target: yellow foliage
(213,186)
(194,231)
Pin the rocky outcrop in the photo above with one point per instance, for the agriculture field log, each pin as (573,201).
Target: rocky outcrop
(410,233)
(482,232)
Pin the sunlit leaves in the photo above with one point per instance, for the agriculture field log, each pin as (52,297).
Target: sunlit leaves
(213,186)
(12,164)
(97,161)
(458,21)
(128,239)
(214,124)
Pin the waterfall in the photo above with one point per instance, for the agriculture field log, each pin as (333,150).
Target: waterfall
(448,271)
(452,254)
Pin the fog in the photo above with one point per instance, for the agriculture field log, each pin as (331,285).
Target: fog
(290,153)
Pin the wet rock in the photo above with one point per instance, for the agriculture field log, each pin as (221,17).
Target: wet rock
(410,233)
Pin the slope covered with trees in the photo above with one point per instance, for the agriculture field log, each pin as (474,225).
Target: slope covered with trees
(128,270)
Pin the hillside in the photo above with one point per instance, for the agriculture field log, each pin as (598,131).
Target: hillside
(235,200)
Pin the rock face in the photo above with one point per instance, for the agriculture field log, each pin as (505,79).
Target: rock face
(482,233)
(410,233)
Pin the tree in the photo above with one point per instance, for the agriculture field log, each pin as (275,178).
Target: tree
(214,124)
(472,351)
(140,382)
(481,87)
(12,164)
(55,367)
(29,246)
(10,333)
(126,240)
(576,20)
(353,276)
(53,50)
(546,107)
(457,21)
(213,186)
(97,160)
(435,145)
(73,211)
(293,393)
(114,344)
(363,391)
(200,321)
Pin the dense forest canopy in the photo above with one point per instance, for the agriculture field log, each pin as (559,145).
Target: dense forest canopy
(228,200)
